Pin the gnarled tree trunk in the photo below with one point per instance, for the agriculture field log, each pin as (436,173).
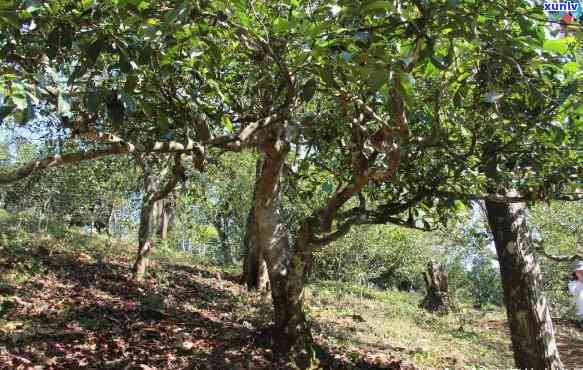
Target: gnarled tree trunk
(286,267)
(149,223)
(437,298)
(287,284)
(529,318)
(255,275)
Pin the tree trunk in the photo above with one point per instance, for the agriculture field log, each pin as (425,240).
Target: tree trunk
(149,219)
(170,211)
(437,298)
(164,220)
(286,270)
(167,216)
(292,335)
(532,332)
(255,275)
(155,196)
(218,223)
(112,220)
(529,318)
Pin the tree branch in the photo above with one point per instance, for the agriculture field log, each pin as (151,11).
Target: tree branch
(115,149)
(339,233)
(497,198)
(118,146)
(177,174)
(57,160)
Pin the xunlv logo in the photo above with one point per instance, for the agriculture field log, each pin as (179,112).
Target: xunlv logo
(561,6)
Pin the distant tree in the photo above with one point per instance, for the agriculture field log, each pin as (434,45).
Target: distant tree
(437,296)
(159,181)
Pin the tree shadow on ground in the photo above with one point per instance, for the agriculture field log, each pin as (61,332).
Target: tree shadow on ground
(93,314)
(74,313)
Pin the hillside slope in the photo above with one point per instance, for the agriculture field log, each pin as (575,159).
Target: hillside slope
(68,301)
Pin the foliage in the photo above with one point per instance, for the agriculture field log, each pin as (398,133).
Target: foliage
(558,227)
(386,255)
(213,210)
(470,259)
(81,194)
(444,56)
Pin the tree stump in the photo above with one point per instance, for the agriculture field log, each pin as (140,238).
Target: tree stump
(437,298)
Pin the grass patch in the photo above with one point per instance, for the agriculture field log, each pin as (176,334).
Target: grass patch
(356,316)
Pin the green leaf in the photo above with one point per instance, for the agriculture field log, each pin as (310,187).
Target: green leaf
(227,123)
(376,6)
(405,87)
(94,49)
(558,46)
(243,19)
(124,62)
(280,25)
(571,67)
(143,5)
(19,99)
(430,69)
(459,205)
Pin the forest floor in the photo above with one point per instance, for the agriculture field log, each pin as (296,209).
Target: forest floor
(67,301)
